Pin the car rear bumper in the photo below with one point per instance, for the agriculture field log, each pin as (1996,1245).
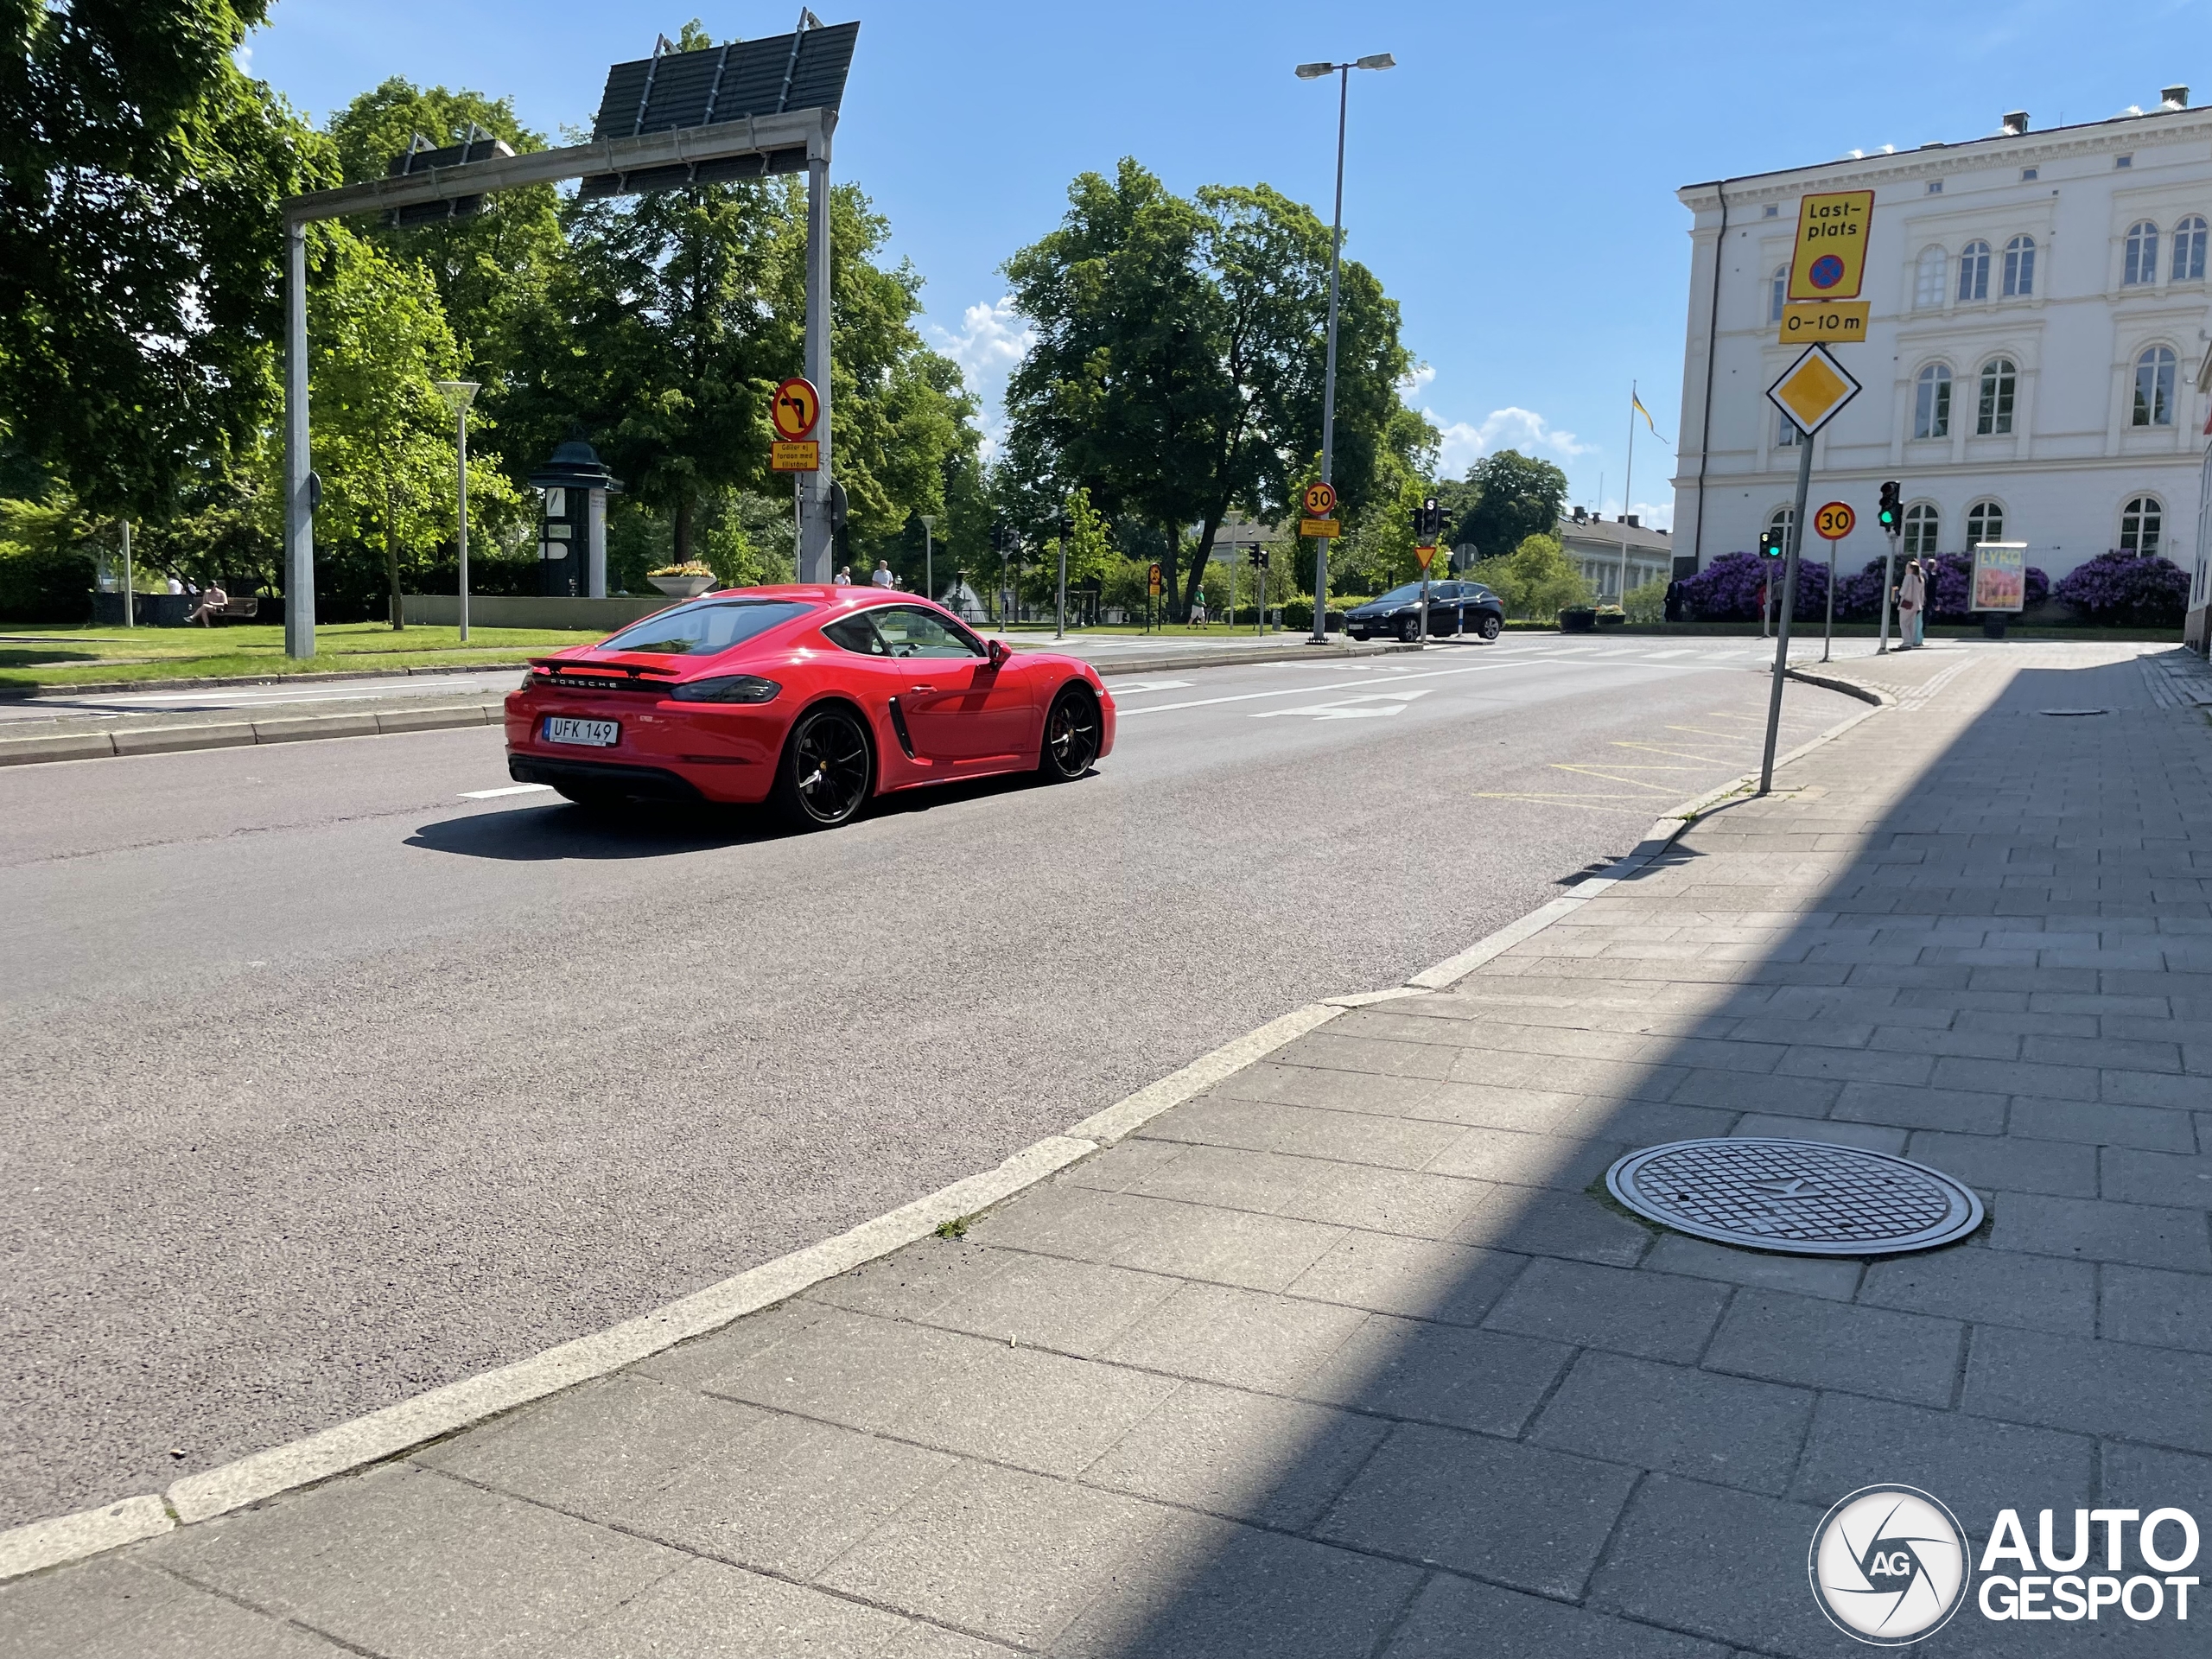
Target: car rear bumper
(667,751)
(603,777)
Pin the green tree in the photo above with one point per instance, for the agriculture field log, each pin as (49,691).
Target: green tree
(1516,496)
(1534,580)
(1178,368)
(142,174)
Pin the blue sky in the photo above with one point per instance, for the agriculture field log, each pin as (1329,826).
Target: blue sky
(1512,181)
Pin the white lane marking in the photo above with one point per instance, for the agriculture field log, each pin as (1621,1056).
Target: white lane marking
(1665,655)
(1392,703)
(511,789)
(1143,686)
(1307,690)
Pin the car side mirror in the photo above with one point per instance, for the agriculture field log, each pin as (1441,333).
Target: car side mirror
(999,653)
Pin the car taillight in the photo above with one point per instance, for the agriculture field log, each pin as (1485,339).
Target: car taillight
(726,687)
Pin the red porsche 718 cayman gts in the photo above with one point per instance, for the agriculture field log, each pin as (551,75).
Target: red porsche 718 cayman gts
(814,699)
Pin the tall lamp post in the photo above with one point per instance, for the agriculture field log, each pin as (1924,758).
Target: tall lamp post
(1343,72)
(929,556)
(459,394)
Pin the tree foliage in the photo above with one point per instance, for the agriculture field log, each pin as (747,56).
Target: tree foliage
(1534,581)
(1178,369)
(1515,496)
(141,241)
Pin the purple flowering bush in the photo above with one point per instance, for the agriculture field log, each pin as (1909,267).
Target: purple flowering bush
(1727,590)
(2128,590)
(1951,581)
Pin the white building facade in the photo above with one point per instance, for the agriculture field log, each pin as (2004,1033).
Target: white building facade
(2038,319)
(1599,549)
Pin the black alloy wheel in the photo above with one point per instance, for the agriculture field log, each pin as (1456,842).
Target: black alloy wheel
(1070,735)
(1490,627)
(1409,629)
(826,771)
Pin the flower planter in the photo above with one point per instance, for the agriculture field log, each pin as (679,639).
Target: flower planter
(681,587)
(1578,621)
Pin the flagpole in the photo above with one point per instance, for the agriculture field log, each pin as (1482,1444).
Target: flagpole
(1628,494)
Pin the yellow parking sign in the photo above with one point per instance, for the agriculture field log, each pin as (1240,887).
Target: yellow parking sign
(1830,261)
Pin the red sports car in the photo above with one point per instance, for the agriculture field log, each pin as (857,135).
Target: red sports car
(815,699)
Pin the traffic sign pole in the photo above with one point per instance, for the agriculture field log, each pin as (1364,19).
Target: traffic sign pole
(1789,604)
(1889,576)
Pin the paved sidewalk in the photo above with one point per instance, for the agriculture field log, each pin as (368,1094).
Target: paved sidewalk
(1345,1358)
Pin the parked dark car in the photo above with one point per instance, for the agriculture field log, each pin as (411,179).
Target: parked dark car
(1453,607)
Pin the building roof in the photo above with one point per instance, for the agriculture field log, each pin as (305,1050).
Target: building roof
(2161,125)
(1607,534)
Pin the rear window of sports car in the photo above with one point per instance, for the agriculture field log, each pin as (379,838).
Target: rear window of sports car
(702,628)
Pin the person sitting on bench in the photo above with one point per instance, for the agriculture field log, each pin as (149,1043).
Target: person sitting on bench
(211,604)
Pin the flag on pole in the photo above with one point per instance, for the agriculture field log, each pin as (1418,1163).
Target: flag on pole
(1635,404)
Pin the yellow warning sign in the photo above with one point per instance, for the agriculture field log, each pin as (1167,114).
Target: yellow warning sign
(1824,322)
(1812,390)
(795,457)
(1425,555)
(1830,262)
(1318,527)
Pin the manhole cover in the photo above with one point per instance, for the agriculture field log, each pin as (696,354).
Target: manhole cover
(1805,1197)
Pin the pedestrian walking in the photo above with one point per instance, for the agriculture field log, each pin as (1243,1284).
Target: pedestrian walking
(844,577)
(883,578)
(1912,599)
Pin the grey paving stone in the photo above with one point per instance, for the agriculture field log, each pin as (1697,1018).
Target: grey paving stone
(1541,1518)
(1785,1339)
(1875,1137)
(1354,1137)
(2152,1089)
(2116,1389)
(111,1608)
(709,1611)
(1640,1312)
(1836,1279)
(1737,1091)
(2161,1309)
(1976,1466)
(1671,1417)
(1323,1051)
(2093,1230)
(1622,1080)
(1977,1042)
(1878,1064)
(2119,1053)
(2133,1176)
(1456,1619)
(1483,1381)
(1022,1406)
(1122,1166)
(908,1282)
(1013,1556)
(706,1475)
(1201,1585)
(1991,1287)
(1255,1456)
(1047,1301)
(1243,1337)
(1229,1246)
(1421,1278)
(1573,1225)
(405,1560)
(1920,1108)
(1501,1157)
(1341,1091)
(2146,1478)
(2150,1126)
(1728,1565)
(853,1369)
(2009,1162)
(1401,1201)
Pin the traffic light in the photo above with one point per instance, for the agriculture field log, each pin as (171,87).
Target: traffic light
(1428,522)
(998,536)
(1257,558)
(1891,514)
(1773,543)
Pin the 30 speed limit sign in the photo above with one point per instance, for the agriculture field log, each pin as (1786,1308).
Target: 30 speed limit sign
(1835,521)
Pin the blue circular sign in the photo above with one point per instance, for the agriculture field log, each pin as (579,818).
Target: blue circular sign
(1827,271)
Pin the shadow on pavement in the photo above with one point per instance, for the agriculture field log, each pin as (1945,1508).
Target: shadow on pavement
(1556,1430)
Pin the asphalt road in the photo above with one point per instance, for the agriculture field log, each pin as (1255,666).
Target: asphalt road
(331,1081)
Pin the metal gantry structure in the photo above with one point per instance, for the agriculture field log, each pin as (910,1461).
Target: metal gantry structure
(745,109)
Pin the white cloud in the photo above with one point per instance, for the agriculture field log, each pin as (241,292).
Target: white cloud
(1416,378)
(1464,444)
(991,341)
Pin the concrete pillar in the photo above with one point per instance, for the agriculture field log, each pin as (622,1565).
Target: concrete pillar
(595,563)
(299,508)
(815,548)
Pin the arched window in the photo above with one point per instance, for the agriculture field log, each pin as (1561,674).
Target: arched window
(1931,402)
(1922,525)
(2189,250)
(2019,267)
(2154,388)
(1779,521)
(2141,522)
(2140,264)
(1973,271)
(1985,523)
(1928,279)
(1993,415)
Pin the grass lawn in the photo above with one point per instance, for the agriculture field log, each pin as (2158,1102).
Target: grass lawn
(36,654)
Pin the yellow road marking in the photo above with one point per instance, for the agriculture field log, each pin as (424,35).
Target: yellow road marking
(1679,755)
(1592,772)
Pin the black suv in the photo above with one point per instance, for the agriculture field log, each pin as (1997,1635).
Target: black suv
(1453,607)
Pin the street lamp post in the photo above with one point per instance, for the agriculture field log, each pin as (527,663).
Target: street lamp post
(459,394)
(929,555)
(1343,72)
(1060,625)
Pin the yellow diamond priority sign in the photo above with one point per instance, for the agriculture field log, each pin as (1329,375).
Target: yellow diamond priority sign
(1813,389)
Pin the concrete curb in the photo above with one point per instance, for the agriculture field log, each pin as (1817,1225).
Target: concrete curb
(1872,693)
(211,681)
(398,1428)
(1299,653)
(238,734)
